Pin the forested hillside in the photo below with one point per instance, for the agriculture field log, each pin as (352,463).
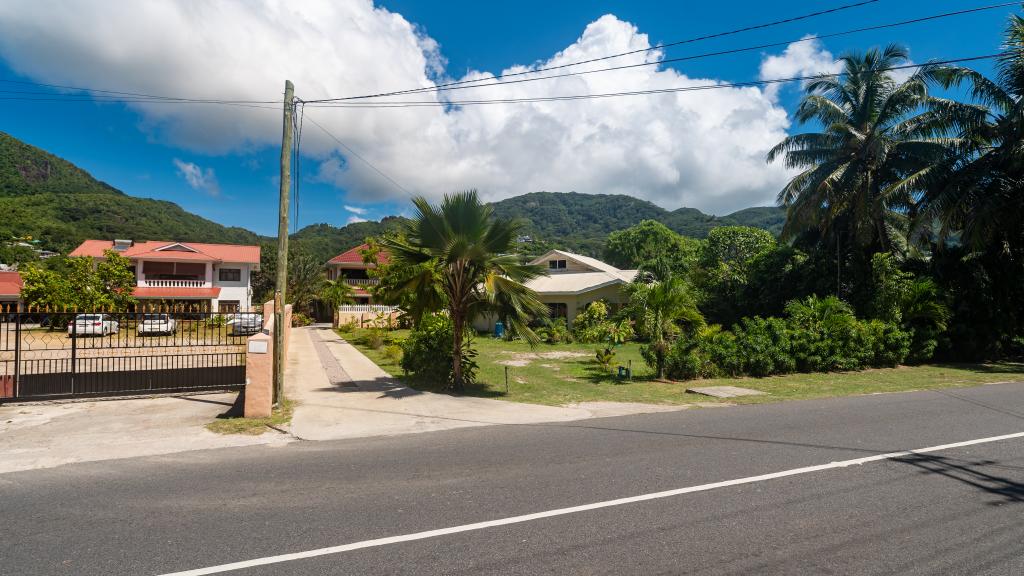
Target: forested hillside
(52,200)
(56,202)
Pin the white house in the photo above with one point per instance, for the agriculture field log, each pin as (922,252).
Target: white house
(572,282)
(216,275)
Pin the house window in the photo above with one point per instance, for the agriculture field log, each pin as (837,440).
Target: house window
(228,306)
(229,275)
(556,264)
(558,310)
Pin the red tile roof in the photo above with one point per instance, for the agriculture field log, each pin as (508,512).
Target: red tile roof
(10,284)
(177,292)
(355,256)
(151,251)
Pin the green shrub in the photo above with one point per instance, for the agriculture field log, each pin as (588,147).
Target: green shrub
(427,352)
(216,321)
(762,347)
(826,336)
(554,331)
(300,319)
(393,352)
(347,327)
(605,358)
(592,325)
(890,344)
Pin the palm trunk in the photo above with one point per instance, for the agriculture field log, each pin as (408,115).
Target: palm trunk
(457,381)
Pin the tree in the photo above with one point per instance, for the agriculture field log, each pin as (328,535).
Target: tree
(663,308)
(334,293)
(726,260)
(650,244)
(980,193)
(477,272)
(416,289)
(83,284)
(306,280)
(861,175)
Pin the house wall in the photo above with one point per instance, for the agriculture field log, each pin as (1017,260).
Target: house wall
(575,304)
(240,290)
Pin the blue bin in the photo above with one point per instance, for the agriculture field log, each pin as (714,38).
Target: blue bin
(499,330)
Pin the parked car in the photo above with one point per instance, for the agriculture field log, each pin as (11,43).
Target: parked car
(93,325)
(244,324)
(154,324)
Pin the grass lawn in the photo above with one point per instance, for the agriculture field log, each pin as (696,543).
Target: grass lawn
(557,374)
(279,417)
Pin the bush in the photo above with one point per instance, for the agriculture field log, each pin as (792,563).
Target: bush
(554,331)
(592,325)
(825,335)
(300,319)
(890,344)
(216,321)
(393,352)
(762,348)
(427,352)
(347,327)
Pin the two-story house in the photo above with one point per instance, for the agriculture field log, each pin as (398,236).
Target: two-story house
(217,275)
(350,266)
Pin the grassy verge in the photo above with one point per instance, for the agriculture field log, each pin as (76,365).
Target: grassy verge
(281,416)
(568,373)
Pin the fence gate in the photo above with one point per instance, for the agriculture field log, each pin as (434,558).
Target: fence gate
(86,354)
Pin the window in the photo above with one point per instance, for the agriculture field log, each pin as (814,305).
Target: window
(228,306)
(229,275)
(558,310)
(556,264)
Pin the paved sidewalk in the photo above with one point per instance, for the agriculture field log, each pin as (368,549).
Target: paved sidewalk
(342,394)
(37,435)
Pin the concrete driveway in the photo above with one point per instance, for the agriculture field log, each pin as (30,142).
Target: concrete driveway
(342,394)
(39,435)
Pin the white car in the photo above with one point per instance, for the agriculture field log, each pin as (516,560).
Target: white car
(245,324)
(93,325)
(154,324)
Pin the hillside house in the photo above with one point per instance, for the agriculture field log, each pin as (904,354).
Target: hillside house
(10,291)
(218,276)
(356,273)
(572,282)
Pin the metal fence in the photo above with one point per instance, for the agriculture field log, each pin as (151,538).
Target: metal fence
(47,355)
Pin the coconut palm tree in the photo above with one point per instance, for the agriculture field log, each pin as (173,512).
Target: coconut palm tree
(980,193)
(861,175)
(472,253)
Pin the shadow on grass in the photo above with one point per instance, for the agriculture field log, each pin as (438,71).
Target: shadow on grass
(985,367)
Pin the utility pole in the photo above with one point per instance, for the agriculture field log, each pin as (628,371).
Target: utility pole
(281,284)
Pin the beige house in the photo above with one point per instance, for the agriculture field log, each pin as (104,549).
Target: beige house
(572,282)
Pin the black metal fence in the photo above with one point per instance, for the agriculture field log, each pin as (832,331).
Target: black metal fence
(49,355)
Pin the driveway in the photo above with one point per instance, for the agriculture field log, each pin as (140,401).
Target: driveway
(342,394)
(38,435)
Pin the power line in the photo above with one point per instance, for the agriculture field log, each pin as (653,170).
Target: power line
(116,94)
(354,153)
(610,56)
(812,38)
(722,85)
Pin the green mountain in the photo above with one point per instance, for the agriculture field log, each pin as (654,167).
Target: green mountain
(54,201)
(581,222)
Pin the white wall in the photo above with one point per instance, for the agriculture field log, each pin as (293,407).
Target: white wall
(240,290)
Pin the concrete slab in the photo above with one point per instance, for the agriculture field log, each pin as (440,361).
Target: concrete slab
(725,391)
(341,393)
(45,435)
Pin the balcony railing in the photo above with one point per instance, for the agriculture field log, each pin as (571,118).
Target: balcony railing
(173,283)
(362,281)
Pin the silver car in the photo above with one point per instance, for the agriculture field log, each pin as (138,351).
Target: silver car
(93,325)
(245,324)
(155,324)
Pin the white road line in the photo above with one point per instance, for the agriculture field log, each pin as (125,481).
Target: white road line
(574,509)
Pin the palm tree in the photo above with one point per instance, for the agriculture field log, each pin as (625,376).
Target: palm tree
(663,306)
(472,253)
(306,279)
(861,175)
(980,193)
(334,293)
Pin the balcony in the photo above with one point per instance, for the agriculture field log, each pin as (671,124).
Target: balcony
(172,284)
(362,281)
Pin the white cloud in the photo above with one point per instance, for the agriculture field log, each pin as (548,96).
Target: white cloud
(354,219)
(356,210)
(703,149)
(198,178)
(799,59)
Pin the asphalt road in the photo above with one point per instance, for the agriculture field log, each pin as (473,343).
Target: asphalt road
(952,511)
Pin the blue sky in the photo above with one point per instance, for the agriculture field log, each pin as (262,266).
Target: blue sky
(142,153)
